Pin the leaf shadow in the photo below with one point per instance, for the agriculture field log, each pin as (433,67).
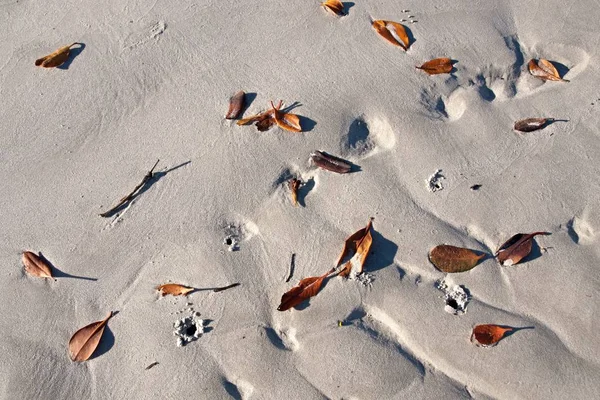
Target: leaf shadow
(411,37)
(561,68)
(304,190)
(381,254)
(248,100)
(347,6)
(57,273)
(74,52)
(453,61)
(550,121)
(514,329)
(107,341)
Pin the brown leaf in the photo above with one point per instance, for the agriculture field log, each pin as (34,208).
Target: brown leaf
(437,66)
(393,32)
(36,266)
(236,103)
(330,163)
(358,244)
(306,288)
(335,6)
(531,124)
(294,184)
(544,70)
(517,248)
(489,334)
(289,122)
(84,341)
(174,289)
(55,59)
(454,259)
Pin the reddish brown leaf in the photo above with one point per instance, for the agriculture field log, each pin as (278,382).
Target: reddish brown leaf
(294,185)
(334,6)
(489,334)
(55,59)
(236,104)
(84,341)
(174,289)
(517,248)
(306,288)
(286,121)
(544,70)
(454,259)
(393,32)
(330,163)
(356,246)
(437,66)
(531,124)
(36,265)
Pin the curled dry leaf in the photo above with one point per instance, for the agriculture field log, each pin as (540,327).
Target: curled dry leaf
(489,334)
(84,341)
(437,66)
(358,246)
(263,121)
(55,59)
(454,259)
(334,6)
(517,248)
(531,124)
(330,163)
(286,121)
(294,185)
(174,289)
(393,32)
(544,70)
(236,104)
(36,265)
(306,288)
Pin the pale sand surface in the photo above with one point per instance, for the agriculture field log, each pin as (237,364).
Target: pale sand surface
(153,82)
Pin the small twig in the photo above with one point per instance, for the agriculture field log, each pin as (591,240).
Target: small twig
(292,267)
(220,289)
(155,363)
(131,195)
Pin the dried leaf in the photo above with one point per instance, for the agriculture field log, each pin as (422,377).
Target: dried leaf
(174,289)
(306,288)
(454,259)
(236,103)
(294,184)
(437,66)
(531,124)
(289,122)
(358,244)
(84,341)
(330,163)
(393,32)
(265,123)
(489,334)
(36,266)
(517,248)
(335,6)
(55,59)
(544,70)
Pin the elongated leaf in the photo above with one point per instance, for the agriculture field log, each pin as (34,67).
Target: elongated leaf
(174,289)
(330,163)
(55,59)
(306,288)
(544,70)
(294,184)
(454,259)
(236,104)
(334,6)
(531,124)
(84,341)
(516,248)
(393,32)
(357,245)
(36,265)
(489,334)
(437,66)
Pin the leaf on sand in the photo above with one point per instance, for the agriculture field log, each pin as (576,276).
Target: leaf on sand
(531,124)
(437,66)
(236,103)
(286,121)
(55,59)
(335,6)
(454,259)
(357,246)
(306,288)
(393,32)
(517,248)
(36,266)
(84,341)
(331,163)
(489,334)
(174,289)
(544,70)
(294,185)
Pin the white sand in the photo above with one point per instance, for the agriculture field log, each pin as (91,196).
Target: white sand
(153,82)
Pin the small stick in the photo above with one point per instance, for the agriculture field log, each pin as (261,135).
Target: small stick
(155,363)
(131,195)
(292,267)
(220,289)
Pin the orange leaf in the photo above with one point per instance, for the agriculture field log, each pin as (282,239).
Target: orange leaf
(55,59)
(359,243)
(306,288)
(454,259)
(335,6)
(437,66)
(84,341)
(294,184)
(36,266)
(544,70)
(489,334)
(516,248)
(289,122)
(393,32)
(531,124)
(174,289)
(236,103)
